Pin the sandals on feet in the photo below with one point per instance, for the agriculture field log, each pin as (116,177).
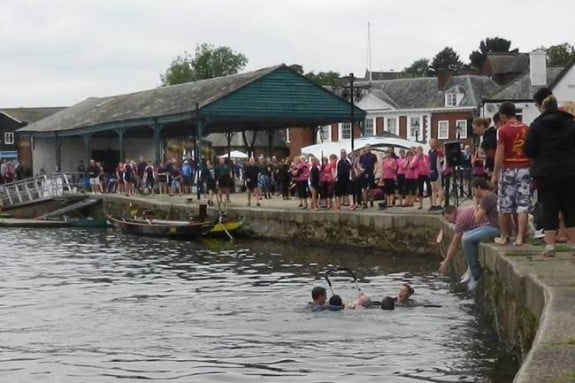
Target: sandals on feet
(501,241)
(549,252)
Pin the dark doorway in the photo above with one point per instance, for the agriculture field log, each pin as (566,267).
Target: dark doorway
(109,159)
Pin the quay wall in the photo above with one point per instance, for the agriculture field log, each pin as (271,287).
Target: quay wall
(529,300)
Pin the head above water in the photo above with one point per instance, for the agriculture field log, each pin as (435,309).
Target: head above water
(388,303)
(404,293)
(318,295)
(335,300)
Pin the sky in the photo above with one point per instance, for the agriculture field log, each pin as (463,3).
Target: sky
(59,52)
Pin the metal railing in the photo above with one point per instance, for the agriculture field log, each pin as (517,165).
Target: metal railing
(34,189)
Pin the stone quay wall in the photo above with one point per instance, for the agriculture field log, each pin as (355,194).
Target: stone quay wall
(529,299)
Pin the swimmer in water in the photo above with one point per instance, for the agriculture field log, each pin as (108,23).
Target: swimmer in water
(335,301)
(404,293)
(319,296)
(361,302)
(388,303)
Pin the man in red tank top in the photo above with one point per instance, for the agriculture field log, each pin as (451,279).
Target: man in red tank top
(511,175)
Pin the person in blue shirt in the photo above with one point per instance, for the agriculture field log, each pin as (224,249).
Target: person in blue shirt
(186,177)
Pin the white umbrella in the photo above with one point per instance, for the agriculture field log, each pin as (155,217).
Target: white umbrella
(235,154)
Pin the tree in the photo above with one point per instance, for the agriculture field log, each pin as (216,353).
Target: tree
(489,45)
(296,68)
(446,59)
(419,68)
(560,55)
(207,62)
(324,78)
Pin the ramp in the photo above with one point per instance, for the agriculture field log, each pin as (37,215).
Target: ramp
(70,208)
(35,189)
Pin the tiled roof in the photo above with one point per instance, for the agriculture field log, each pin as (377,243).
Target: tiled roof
(521,89)
(29,115)
(502,63)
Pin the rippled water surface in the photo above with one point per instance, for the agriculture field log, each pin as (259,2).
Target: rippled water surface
(98,306)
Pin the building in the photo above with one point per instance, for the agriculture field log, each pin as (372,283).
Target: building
(12,119)
(561,81)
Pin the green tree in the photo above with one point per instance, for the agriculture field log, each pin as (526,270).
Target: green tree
(446,59)
(489,45)
(324,78)
(419,68)
(560,55)
(207,62)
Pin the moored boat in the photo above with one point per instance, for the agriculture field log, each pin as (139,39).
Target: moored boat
(161,228)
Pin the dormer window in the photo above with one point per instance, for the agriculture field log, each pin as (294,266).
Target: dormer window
(450,99)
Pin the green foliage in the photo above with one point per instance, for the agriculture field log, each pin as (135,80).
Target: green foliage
(207,62)
(446,59)
(419,68)
(560,55)
(489,45)
(323,78)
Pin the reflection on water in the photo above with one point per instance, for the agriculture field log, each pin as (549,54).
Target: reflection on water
(96,306)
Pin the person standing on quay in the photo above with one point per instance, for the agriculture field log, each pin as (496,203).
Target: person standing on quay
(511,175)
(550,143)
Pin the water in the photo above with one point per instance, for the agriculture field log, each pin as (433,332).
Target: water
(98,306)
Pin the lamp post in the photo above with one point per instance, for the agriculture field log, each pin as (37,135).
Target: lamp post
(322,137)
(351,98)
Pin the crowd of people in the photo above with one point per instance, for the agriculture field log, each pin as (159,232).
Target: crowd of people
(10,171)
(521,162)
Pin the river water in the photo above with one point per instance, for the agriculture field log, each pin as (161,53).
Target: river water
(99,306)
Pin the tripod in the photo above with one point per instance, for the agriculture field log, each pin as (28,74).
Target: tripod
(453,186)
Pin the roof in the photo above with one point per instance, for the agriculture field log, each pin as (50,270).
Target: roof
(275,94)
(377,76)
(502,63)
(423,92)
(521,88)
(29,115)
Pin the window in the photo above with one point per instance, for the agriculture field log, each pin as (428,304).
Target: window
(415,132)
(519,114)
(368,127)
(9,138)
(461,126)
(450,99)
(443,130)
(391,125)
(324,133)
(345,131)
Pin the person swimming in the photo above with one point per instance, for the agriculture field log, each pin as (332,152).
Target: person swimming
(361,302)
(388,303)
(403,294)
(336,301)
(319,296)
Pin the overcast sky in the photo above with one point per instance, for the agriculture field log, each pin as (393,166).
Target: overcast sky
(59,52)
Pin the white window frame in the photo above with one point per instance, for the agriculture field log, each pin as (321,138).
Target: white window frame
(451,99)
(420,130)
(342,126)
(365,133)
(287,136)
(327,129)
(439,126)
(8,138)
(395,125)
(461,127)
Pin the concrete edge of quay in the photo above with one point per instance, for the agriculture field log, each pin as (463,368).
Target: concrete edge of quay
(530,299)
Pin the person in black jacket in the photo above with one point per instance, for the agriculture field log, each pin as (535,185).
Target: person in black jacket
(550,144)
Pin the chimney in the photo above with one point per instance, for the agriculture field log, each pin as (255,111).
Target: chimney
(538,67)
(443,76)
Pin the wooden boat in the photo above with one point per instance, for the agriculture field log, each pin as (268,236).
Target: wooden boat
(89,223)
(161,228)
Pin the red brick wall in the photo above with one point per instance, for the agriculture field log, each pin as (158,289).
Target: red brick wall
(298,138)
(378,126)
(334,132)
(452,117)
(403,126)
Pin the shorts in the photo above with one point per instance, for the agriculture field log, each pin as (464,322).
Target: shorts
(434,176)
(95,181)
(411,186)
(187,180)
(514,191)
(367,180)
(401,184)
(389,186)
(341,187)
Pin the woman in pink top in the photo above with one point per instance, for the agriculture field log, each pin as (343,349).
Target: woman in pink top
(300,175)
(327,181)
(411,177)
(388,174)
(423,171)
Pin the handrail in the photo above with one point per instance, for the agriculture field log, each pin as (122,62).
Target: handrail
(29,190)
